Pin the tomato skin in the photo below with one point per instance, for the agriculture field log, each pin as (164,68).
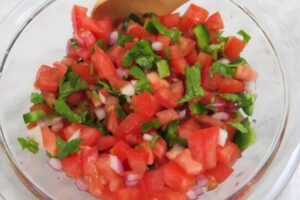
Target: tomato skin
(47,79)
(203,145)
(176,178)
(106,142)
(233,48)
(49,140)
(120,149)
(194,15)
(171,20)
(187,163)
(167,116)
(220,172)
(165,98)
(145,104)
(72,166)
(160,148)
(245,73)
(228,154)
(188,127)
(214,22)
(131,125)
(83,69)
(230,85)
(138,159)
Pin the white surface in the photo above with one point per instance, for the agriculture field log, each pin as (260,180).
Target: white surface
(289,13)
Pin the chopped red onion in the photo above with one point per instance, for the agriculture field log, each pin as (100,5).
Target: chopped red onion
(202,181)
(49,122)
(191,194)
(57,126)
(128,90)
(221,116)
(157,46)
(81,184)
(100,113)
(147,137)
(122,73)
(75,135)
(55,164)
(113,37)
(217,105)
(182,114)
(222,137)
(116,164)
(198,189)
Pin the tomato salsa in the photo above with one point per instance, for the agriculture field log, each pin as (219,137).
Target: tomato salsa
(151,107)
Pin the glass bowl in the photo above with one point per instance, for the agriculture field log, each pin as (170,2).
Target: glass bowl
(41,30)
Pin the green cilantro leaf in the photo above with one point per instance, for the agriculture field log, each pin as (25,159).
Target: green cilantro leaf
(121,97)
(36,98)
(215,49)
(29,144)
(222,69)
(192,84)
(142,83)
(65,111)
(171,135)
(121,113)
(66,148)
(197,109)
(72,83)
(123,39)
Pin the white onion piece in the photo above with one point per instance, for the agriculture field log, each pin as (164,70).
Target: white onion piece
(132,177)
(102,97)
(75,135)
(81,184)
(221,116)
(147,137)
(217,105)
(113,37)
(224,61)
(191,194)
(122,73)
(157,46)
(174,152)
(131,183)
(57,126)
(49,122)
(115,164)
(128,90)
(100,113)
(182,114)
(222,137)
(36,134)
(55,164)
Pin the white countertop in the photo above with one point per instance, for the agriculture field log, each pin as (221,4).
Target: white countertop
(289,13)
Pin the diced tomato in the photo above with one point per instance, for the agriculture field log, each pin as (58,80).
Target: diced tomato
(208,121)
(31,125)
(106,26)
(42,107)
(194,15)
(176,178)
(165,98)
(78,15)
(156,82)
(188,127)
(120,149)
(230,85)
(115,51)
(160,148)
(209,82)
(214,22)
(129,193)
(220,172)
(71,129)
(49,98)
(85,71)
(231,131)
(154,181)
(145,104)
(186,45)
(233,48)
(133,139)
(178,65)
(106,142)
(165,40)
(131,125)
(95,186)
(187,163)
(138,159)
(113,121)
(167,116)
(169,194)
(203,145)
(106,69)
(72,165)
(49,140)
(84,53)
(175,52)
(61,69)
(205,59)
(228,154)
(75,98)
(245,73)
(171,20)
(147,147)
(137,30)
(47,79)
(115,181)
(89,136)
(177,89)
(89,159)
(191,58)
(87,38)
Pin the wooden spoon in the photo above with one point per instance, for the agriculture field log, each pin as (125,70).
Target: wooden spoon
(119,9)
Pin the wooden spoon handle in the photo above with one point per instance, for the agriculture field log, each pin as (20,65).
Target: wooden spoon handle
(117,9)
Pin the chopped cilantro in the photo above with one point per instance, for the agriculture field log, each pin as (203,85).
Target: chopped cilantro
(70,84)
(66,148)
(121,113)
(123,39)
(65,111)
(142,83)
